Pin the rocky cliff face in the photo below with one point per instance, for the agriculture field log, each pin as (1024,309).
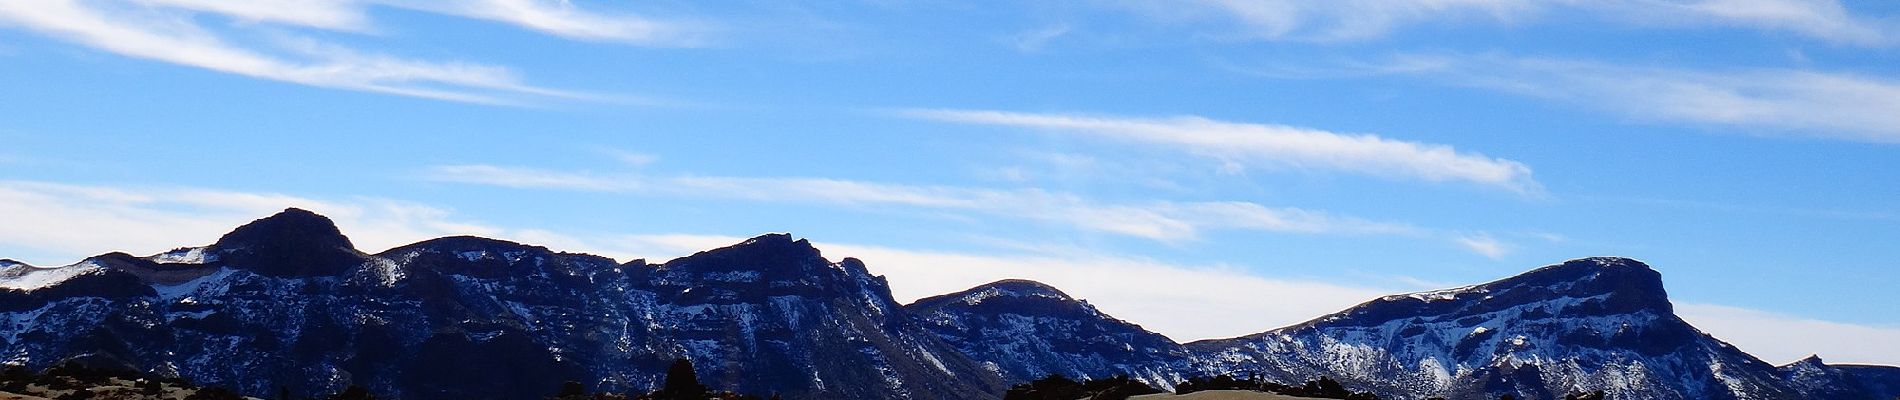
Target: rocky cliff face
(286,302)
(1584,325)
(1026,330)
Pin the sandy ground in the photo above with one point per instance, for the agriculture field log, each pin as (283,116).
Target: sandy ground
(1219,395)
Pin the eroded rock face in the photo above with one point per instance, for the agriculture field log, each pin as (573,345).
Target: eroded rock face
(1584,325)
(293,243)
(1026,330)
(286,302)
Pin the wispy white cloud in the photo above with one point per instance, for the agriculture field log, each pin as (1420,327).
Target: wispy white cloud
(1484,244)
(1780,338)
(344,15)
(529,178)
(1826,20)
(1273,146)
(169,31)
(630,158)
(1770,101)
(1349,20)
(562,18)
(553,17)
(1756,209)
(1033,40)
(1325,21)
(1158,220)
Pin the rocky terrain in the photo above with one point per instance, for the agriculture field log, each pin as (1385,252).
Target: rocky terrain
(286,304)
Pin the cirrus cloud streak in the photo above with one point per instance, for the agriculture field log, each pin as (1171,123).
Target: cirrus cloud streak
(1272,146)
(171,31)
(1833,105)
(1359,20)
(1165,221)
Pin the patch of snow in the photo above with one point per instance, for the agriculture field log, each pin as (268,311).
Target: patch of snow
(934,361)
(35,278)
(191,255)
(200,314)
(1436,295)
(174,292)
(387,270)
(986,294)
(521,311)
(733,276)
(17,321)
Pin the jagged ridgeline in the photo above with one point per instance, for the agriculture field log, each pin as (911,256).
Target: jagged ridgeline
(286,305)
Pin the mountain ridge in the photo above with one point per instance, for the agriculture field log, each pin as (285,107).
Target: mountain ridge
(771,314)
(1026,330)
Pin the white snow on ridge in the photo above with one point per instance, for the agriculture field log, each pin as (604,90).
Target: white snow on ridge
(986,294)
(1436,295)
(174,292)
(34,278)
(190,255)
(732,276)
(388,270)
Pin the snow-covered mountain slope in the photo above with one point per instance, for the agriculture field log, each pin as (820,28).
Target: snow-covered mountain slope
(287,302)
(1027,330)
(1584,325)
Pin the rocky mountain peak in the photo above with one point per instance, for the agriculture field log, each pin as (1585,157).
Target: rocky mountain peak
(1598,286)
(1013,295)
(1624,285)
(1024,287)
(469,317)
(1011,289)
(1027,330)
(1811,361)
(291,227)
(768,253)
(294,242)
(1617,271)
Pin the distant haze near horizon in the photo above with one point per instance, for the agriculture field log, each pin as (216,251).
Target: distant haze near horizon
(1265,162)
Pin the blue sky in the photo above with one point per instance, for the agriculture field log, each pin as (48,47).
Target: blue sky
(1288,158)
